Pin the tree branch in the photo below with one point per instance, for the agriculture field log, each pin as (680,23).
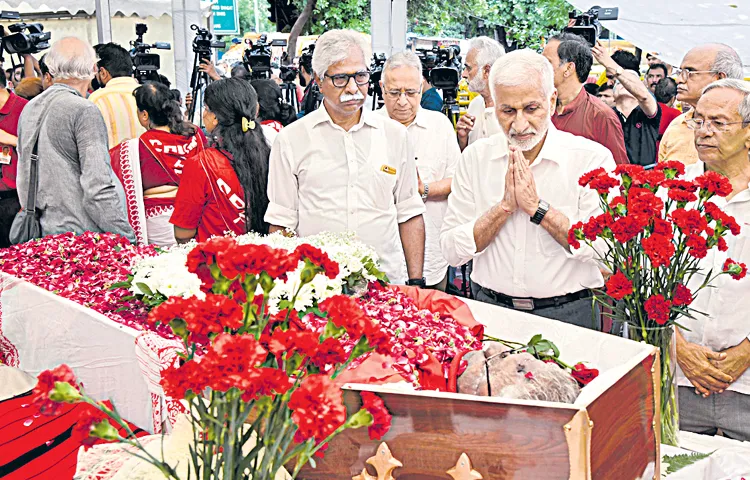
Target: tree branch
(297,29)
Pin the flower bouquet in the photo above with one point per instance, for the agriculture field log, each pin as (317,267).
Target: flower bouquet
(652,236)
(260,388)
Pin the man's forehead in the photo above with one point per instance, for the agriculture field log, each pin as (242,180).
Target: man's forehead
(698,59)
(402,75)
(719,102)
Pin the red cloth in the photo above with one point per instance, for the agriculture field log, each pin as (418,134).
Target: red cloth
(210,198)
(273,124)
(667,115)
(35,446)
(9,115)
(589,117)
(375,368)
(163,156)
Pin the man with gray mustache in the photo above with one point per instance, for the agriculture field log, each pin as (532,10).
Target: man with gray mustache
(511,205)
(344,168)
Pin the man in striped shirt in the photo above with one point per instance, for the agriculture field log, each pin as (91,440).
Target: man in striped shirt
(115,100)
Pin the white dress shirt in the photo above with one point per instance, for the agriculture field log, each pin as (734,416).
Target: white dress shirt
(726,306)
(322,178)
(436,154)
(485,123)
(524,260)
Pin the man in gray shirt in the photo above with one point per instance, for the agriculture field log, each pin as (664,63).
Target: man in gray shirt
(77,191)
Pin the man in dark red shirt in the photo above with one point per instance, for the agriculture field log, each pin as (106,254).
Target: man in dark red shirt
(11,106)
(578,112)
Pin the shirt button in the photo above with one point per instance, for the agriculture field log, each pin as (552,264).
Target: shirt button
(351,211)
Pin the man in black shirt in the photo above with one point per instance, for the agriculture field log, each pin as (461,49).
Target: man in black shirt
(637,108)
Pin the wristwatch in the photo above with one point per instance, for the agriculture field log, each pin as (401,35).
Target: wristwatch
(426,192)
(417,282)
(541,211)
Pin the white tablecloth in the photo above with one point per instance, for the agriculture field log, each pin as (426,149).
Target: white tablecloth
(48,330)
(730,459)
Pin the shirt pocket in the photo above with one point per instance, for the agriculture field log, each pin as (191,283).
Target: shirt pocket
(379,184)
(547,246)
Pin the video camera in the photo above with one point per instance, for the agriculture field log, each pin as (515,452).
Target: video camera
(203,43)
(587,24)
(25,38)
(257,58)
(376,73)
(145,65)
(442,66)
(288,73)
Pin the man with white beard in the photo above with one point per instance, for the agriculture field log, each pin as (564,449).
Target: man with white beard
(511,206)
(344,168)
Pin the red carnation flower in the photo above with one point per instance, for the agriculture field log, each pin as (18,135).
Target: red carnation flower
(596,225)
(671,168)
(178,381)
(626,228)
(89,418)
(662,227)
(642,201)
(318,408)
(736,270)
(344,312)
(603,184)
(689,221)
(657,309)
(652,178)
(573,234)
(291,341)
(712,183)
(381,418)
(629,170)
(583,374)
(329,352)
(319,258)
(697,245)
(619,205)
(618,286)
(587,177)
(200,259)
(659,249)
(46,384)
(682,295)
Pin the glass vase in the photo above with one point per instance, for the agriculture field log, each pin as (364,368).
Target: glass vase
(663,338)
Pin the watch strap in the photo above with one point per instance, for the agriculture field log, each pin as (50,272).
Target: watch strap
(541,211)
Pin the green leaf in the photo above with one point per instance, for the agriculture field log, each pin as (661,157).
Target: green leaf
(678,462)
(144,288)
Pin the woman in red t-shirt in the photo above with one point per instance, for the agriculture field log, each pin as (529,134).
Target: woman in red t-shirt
(225,189)
(150,166)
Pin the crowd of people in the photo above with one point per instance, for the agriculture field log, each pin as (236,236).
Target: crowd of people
(499,191)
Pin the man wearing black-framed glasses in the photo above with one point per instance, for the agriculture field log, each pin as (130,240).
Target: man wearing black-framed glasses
(344,168)
(701,66)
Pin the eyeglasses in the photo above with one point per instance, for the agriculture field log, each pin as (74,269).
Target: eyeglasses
(678,73)
(340,80)
(711,125)
(396,94)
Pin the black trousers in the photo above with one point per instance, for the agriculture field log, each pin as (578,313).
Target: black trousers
(9,207)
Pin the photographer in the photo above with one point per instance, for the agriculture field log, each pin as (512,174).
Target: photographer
(431,99)
(114,72)
(310,98)
(207,67)
(479,120)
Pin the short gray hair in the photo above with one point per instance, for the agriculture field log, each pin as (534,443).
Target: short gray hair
(488,50)
(71,58)
(740,86)
(335,46)
(520,67)
(728,62)
(403,59)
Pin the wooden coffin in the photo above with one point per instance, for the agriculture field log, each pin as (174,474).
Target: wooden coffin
(610,433)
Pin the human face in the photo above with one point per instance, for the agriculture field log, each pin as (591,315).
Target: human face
(653,77)
(652,60)
(690,85)
(209,119)
(550,53)
(524,113)
(716,145)
(608,97)
(348,100)
(403,81)
(17,75)
(476,77)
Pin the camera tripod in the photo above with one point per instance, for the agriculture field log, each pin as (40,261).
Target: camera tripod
(451,109)
(289,95)
(198,82)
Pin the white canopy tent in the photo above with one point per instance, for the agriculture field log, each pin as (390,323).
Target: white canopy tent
(672,27)
(183,13)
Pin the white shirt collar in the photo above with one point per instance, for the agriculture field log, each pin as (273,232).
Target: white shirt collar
(321,116)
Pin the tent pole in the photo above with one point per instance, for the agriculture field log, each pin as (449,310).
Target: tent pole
(103,21)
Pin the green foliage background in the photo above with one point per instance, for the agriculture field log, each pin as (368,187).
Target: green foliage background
(526,21)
